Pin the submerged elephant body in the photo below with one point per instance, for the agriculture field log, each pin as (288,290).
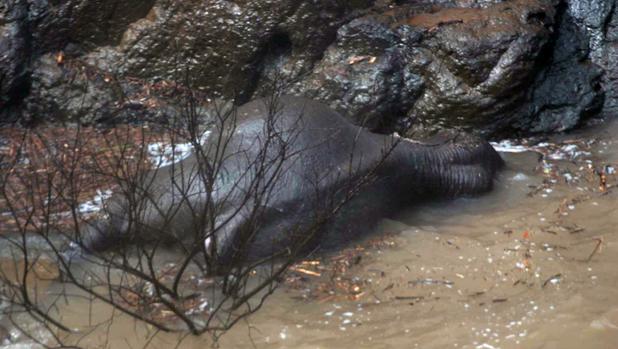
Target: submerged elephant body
(289,176)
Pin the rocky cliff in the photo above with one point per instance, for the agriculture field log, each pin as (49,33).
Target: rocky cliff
(486,66)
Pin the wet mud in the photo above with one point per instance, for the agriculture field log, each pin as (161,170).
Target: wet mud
(530,265)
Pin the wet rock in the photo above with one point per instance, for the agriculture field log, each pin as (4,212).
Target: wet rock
(568,88)
(591,17)
(484,66)
(13,49)
(610,63)
(597,20)
(482,69)
(74,91)
(481,62)
(61,93)
(515,64)
(29,29)
(91,23)
(364,74)
(224,47)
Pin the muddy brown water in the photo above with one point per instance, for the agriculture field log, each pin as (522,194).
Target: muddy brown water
(534,264)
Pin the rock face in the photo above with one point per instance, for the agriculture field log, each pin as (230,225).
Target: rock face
(87,97)
(592,17)
(609,63)
(367,72)
(514,65)
(53,24)
(73,91)
(13,49)
(485,66)
(29,29)
(480,63)
(225,46)
(220,47)
(568,88)
(597,19)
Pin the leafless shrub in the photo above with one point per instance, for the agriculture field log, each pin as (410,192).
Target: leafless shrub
(174,262)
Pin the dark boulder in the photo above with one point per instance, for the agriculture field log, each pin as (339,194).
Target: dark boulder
(487,67)
(597,20)
(452,68)
(66,94)
(14,52)
(521,64)
(226,47)
(220,47)
(481,62)
(364,73)
(591,17)
(30,29)
(609,62)
(90,23)
(568,87)
(73,91)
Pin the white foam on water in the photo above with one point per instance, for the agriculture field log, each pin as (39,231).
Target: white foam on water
(165,154)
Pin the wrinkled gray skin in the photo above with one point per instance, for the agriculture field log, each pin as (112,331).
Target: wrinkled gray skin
(318,143)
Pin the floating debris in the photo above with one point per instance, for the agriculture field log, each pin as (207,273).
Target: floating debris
(418,282)
(554,280)
(305,271)
(358,59)
(508,146)
(596,249)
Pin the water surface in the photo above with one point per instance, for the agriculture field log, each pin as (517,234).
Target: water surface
(530,265)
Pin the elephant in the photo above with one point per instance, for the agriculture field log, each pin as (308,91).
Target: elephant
(286,175)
